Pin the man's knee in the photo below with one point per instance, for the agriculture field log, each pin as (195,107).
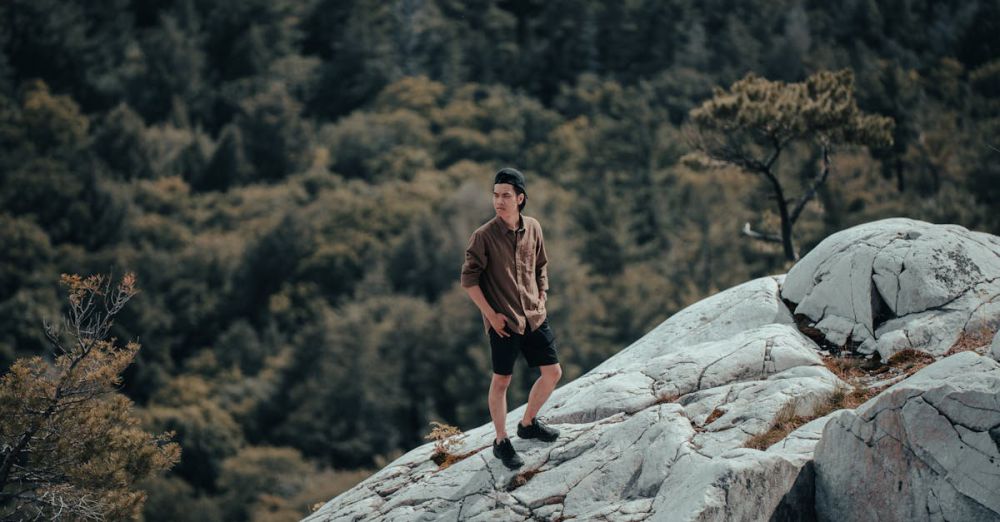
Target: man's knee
(552,372)
(500,382)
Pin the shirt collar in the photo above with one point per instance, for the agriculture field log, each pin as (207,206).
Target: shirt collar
(502,227)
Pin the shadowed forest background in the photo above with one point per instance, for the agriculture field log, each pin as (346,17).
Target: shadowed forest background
(294,184)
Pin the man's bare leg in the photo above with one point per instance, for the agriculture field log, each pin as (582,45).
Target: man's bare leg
(498,404)
(541,390)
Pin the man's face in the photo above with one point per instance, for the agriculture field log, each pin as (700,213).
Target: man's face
(506,200)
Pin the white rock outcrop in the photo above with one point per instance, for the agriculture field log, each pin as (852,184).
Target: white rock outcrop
(899,283)
(657,432)
(927,448)
(717,317)
(654,433)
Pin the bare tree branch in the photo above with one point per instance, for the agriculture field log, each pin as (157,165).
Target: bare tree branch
(766,237)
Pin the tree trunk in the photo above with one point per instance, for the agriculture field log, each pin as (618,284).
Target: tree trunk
(786,222)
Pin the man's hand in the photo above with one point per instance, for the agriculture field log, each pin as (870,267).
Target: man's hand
(499,323)
(497,320)
(542,295)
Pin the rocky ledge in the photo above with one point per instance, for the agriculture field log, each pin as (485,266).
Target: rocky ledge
(735,408)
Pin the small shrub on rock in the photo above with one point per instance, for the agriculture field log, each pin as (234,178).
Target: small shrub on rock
(446,439)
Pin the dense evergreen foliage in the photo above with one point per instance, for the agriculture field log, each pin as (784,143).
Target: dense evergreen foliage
(294,183)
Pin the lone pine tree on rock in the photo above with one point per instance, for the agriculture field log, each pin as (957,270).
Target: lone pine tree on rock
(752,123)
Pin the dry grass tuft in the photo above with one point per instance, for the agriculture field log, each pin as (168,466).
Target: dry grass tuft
(785,422)
(909,361)
(908,356)
(521,479)
(668,399)
(716,413)
(848,399)
(976,341)
(847,368)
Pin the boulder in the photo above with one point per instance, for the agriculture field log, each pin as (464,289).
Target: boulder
(899,283)
(927,448)
(749,355)
(717,317)
(739,485)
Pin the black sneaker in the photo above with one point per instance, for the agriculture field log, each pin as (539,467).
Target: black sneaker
(505,452)
(537,430)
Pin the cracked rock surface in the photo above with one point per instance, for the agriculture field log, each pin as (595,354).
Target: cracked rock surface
(656,432)
(899,283)
(927,448)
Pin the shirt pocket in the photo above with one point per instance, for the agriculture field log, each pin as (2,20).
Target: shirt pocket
(526,255)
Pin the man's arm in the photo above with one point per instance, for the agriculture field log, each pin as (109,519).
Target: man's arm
(477,296)
(541,266)
(475,263)
(497,320)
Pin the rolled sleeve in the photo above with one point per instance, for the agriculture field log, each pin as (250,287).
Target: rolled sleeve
(541,264)
(475,261)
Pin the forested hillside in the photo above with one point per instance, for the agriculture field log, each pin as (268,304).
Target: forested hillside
(294,183)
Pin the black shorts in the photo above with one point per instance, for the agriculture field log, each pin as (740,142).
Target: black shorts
(538,347)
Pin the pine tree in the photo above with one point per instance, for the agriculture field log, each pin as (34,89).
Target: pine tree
(752,123)
(69,444)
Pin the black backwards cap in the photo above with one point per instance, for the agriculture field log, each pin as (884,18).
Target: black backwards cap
(510,176)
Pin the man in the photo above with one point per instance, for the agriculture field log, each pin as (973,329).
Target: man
(505,275)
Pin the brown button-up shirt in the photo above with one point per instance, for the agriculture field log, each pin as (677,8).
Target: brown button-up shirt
(509,266)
